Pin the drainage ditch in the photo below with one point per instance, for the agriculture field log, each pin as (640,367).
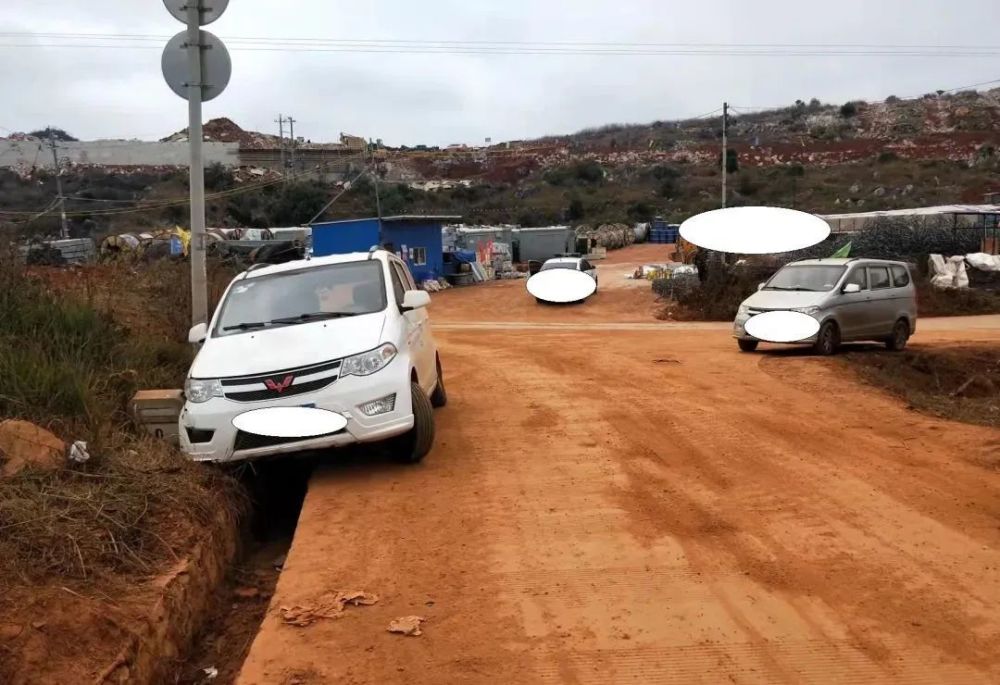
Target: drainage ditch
(216,654)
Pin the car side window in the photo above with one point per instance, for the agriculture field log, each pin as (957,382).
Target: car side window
(585,265)
(858,276)
(404,276)
(879,276)
(900,276)
(397,285)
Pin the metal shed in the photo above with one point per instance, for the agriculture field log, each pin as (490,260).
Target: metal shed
(542,243)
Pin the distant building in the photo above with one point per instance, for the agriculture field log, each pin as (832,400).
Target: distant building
(352,142)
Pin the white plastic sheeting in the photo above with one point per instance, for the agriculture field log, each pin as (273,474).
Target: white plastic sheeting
(983,261)
(948,273)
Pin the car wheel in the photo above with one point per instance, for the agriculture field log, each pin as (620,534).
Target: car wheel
(413,446)
(439,397)
(828,339)
(748,345)
(539,300)
(900,335)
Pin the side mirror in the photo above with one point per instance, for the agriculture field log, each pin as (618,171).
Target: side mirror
(852,288)
(760,286)
(198,333)
(415,299)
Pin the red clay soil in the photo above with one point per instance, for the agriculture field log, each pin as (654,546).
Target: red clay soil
(609,506)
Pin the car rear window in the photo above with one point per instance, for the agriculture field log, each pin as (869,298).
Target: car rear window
(879,277)
(900,276)
(558,265)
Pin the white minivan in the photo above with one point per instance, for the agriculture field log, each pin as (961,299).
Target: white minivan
(348,334)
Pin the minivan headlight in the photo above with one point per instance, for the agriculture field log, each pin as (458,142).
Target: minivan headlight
(202,390)
(744,310)
(367,363)
(806,310)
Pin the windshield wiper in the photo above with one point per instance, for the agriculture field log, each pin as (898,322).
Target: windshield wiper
(246,326)
(313,316)
(797,288)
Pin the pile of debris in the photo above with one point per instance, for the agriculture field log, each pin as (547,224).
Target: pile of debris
(608,236)
(224,130)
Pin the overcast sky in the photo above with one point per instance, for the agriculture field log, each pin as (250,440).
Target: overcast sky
(442,99)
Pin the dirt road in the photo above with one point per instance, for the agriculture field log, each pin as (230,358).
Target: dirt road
(650,506)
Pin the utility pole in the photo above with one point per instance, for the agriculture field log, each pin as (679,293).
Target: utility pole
(378,199)
(59,189)
(281,135)
(725,151)
(291,139)
(199,272)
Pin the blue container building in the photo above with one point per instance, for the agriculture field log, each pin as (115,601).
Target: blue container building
(419,236)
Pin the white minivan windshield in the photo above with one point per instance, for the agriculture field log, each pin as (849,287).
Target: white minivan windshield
(806,278)
(294,297)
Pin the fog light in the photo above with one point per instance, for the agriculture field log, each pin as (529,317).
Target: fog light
(383,405)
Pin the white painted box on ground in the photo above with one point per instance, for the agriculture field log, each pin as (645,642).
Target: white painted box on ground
(157,412)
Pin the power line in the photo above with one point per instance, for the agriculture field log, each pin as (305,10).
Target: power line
(401,41)
(550,49)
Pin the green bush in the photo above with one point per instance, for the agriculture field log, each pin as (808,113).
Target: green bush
(61,359)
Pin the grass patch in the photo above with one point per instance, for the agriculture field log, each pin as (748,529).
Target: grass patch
(72,367)
(961,383)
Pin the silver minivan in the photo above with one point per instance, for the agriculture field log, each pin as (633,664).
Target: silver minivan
(852,299)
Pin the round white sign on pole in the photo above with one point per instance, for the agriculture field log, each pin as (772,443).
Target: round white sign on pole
(210,9)
(216,66)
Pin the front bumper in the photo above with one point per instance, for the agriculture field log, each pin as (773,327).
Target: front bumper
(343,397)
(740,333)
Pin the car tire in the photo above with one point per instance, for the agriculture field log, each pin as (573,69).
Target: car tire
(439,398)
(413,446)
(828,339)
(900,335)
(539,300)
(747,345)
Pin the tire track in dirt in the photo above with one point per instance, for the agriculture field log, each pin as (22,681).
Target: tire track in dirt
(591,516)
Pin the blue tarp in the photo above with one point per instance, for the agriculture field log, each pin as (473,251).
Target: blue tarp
(466,256)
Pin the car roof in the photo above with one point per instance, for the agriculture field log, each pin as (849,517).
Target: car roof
(564,260)
(316,262)
(843,261)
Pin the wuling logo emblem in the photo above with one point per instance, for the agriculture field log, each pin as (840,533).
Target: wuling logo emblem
(279,387)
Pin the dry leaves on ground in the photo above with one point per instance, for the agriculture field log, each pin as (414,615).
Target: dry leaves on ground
(330,605)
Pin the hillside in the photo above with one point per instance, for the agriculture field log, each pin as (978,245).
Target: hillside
(819,157)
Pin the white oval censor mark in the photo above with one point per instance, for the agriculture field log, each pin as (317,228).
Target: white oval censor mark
(561,285)
(290,422)
(782,327)
(754,230)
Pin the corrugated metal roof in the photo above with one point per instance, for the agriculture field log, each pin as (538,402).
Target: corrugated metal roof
(394,219)
(919,211)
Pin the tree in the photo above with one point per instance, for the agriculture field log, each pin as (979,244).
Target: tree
(641,212)
(848,110)
(814,104)
(575,211)
(56,133)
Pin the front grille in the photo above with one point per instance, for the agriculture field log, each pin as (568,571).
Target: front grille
(251,441)
(283,383)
